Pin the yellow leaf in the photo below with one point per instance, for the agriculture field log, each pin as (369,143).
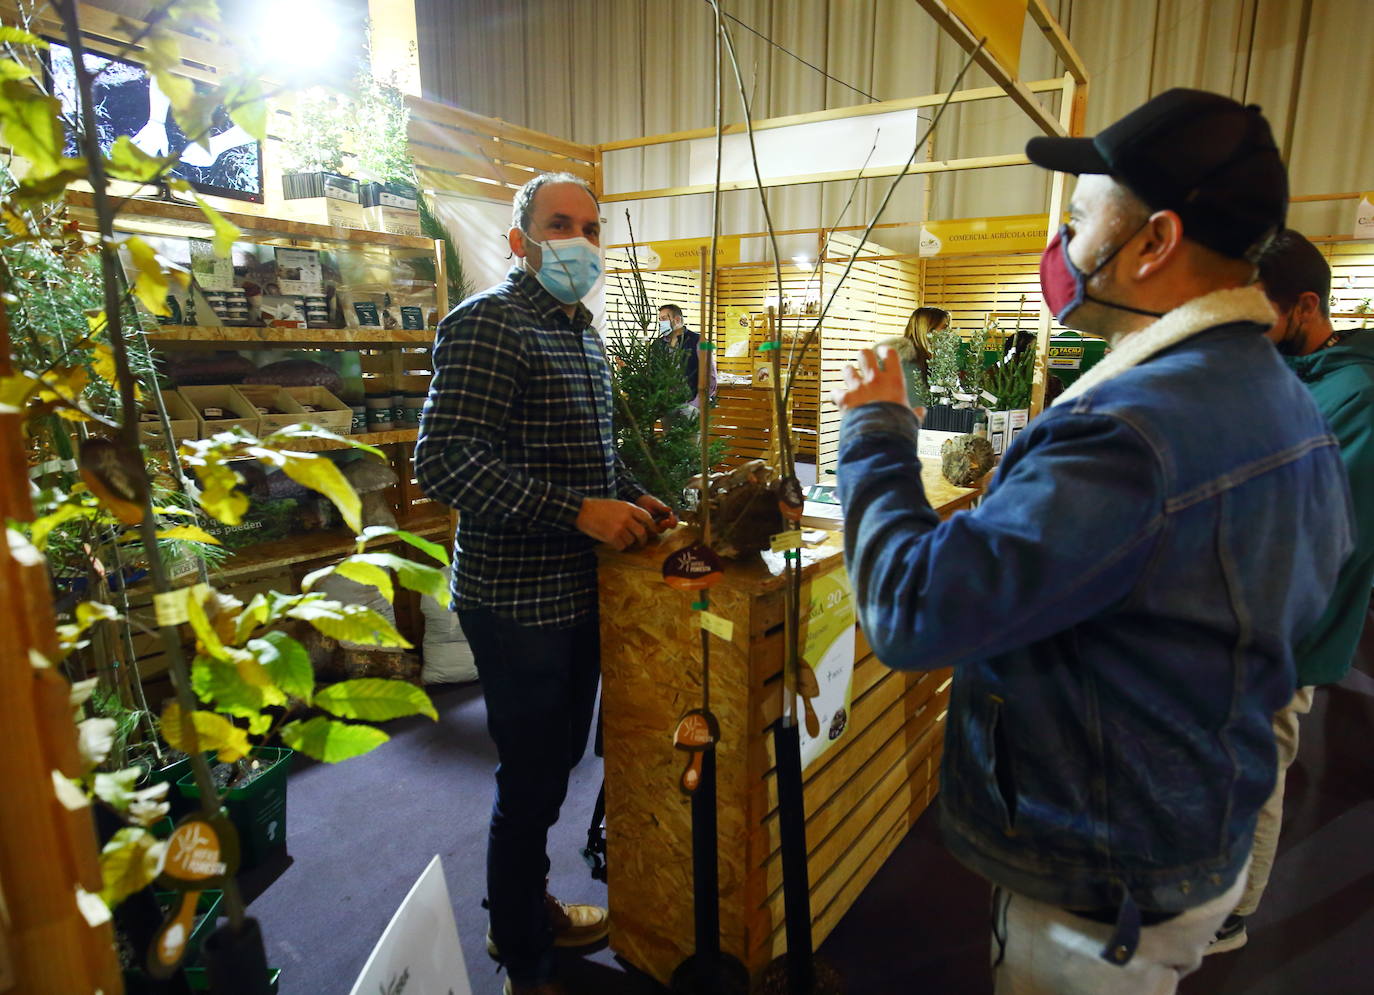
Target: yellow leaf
(32,127)
(129,162)
(219,495)
(9,69)
(200,730)
(188,533)
(320,474)
(205,632)
(150,285)
(103,362)
(16,389)
(129,863)
(65,512)
(225,232)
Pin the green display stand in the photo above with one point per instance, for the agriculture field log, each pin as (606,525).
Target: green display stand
(258,809)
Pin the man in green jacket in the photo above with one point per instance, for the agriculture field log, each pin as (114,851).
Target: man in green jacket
(1338,368)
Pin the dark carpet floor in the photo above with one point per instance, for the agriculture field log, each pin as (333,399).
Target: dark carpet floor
(359,834)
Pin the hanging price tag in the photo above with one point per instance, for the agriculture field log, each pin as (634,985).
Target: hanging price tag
(785,540)
(718,626)
(170,606)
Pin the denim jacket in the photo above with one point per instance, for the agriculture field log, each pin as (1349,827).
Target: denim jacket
(1120,613)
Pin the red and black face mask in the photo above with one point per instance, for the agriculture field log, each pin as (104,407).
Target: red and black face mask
(1065,286)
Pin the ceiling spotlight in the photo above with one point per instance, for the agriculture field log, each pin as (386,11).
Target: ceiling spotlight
(802,261)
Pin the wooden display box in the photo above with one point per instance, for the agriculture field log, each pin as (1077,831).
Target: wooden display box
(333,415)
(861,796)
(183,419)
(240,413)
(272,396)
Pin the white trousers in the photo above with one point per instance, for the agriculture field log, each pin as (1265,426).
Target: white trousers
(1046,950)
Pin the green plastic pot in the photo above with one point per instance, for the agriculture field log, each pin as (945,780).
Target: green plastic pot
(199,980)
(258,809)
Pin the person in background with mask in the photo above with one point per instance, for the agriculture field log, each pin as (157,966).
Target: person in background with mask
(674,334)
(913,349)
(1338,368)
(1121,610)
(516,434)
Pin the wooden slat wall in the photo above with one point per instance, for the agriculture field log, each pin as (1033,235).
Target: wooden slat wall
(671,286)
(1352,281)
(745,411)
(969,287)
(874,303)
(471,155)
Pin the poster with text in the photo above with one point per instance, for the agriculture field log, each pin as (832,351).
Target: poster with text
(828,647)
(419,950)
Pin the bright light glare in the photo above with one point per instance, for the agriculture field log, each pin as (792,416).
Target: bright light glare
(304,35)
(802,261)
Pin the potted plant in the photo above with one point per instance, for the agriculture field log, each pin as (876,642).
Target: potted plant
(247,682)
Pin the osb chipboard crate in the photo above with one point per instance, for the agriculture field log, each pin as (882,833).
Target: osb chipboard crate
(239,413)
(861,795)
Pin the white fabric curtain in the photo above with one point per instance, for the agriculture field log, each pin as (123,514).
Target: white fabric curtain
(601,70)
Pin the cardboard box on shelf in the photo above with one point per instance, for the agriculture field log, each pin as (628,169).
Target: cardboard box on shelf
(332,413)
(392,207)
(181,417)
(323,199)
(234,409)
(275,407)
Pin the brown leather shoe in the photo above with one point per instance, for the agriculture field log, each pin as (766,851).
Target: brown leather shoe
(573,925)
(576,925)
(546,988)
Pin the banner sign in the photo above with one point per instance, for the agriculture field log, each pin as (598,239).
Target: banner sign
(419,950)
(966,236)
(828,637)
(685,253)
(1000,21)
(1364,216)
(1066,357)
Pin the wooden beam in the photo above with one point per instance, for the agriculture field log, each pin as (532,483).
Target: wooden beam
(1020,94)
(1058,40)
(431,134)
(456,117)
(1041,375)
(834,114)
(951,165)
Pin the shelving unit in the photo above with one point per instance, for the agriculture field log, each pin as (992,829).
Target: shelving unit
(397,357)
(225,335)
(158,217)
(430,521)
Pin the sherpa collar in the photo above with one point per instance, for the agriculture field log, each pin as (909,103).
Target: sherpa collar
(1220,307)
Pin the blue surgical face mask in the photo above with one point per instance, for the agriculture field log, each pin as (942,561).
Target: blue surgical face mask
(665,326)
(568,268)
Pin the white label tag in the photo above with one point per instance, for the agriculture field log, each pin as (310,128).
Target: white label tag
(718,626)
(170,606)
(785,540)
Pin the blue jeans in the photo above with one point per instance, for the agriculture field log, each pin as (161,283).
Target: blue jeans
(540,690)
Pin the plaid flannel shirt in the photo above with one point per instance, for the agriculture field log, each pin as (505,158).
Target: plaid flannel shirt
(515,433)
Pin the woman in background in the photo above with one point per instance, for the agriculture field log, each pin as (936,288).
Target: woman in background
(913,348)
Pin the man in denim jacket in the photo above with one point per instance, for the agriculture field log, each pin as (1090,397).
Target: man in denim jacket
(1121,610)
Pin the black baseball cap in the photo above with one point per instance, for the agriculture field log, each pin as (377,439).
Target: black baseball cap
(1205,156)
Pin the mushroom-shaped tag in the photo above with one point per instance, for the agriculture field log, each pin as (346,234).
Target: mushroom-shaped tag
(693,568)
(791,500)
(202,853)
(696,732)
(114,476)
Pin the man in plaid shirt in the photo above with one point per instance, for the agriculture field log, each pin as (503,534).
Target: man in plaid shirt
(517,435)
